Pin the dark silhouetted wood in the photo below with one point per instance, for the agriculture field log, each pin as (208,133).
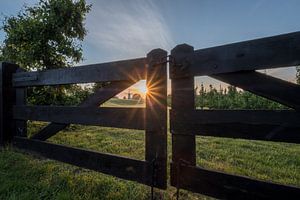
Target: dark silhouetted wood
(113,71)
(156,115)
(7,100)
(267,125)
(118,166)
(233,64)
(270,52)
(253,117)
(21,125)
(133,118)
(226,186)
(263,85)
(94,100)
(183,143)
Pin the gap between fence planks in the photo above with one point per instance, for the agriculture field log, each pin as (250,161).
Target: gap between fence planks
(94,100)
(272,88)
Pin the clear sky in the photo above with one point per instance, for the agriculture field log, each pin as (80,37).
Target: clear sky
(123,29)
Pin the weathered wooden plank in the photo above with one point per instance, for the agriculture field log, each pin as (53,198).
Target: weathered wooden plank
(113,71)
(270,52)
(7,100)
(156,115)
(282,126)
(133,118)
(21,125)
(250,132)
(118,166)
(269,87)
(183,99)
(94,100)
(253,117)
(226,186)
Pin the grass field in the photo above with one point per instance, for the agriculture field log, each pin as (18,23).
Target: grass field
(27,176)
(115,102)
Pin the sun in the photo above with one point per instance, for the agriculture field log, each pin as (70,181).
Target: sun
(141,88)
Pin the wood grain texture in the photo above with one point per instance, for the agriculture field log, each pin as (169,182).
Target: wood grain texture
(132,118)
(7,100)
(270,52)
(226,186)
(156,115)
(113,71)
(280,126)
(118,166)
(183,100)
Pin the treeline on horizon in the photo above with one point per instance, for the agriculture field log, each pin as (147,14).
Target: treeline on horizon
(230,98)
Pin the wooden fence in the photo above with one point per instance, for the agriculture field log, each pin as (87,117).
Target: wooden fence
(120,75)
(234,64)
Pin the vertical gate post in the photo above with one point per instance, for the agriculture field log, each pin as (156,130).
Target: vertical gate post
(156,115)
(7,100)
(21,94)
(183,143)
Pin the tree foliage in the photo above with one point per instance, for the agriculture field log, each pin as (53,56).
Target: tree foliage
(298,74)
(47,36)
(231,98)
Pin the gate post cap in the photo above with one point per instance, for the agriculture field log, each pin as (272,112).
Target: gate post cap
(156,53)
(182,48)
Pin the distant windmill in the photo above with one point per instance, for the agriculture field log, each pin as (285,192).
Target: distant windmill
(129,94)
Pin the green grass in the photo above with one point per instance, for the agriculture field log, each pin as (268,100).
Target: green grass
(115,102)
(28,176)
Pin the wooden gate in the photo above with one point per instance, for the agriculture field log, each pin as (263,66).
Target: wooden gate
(234,64)
(119,76)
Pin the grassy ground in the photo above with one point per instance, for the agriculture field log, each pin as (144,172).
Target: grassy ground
(115,102)
(27,176)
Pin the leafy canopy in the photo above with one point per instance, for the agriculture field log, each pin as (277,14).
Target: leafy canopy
(47,35)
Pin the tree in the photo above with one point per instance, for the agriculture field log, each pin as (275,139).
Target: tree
(233,99)
(46,36)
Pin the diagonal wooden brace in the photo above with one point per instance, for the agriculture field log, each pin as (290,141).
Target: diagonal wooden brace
(263,85)
(94,100)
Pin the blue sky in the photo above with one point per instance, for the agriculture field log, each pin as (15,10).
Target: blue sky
(119,29)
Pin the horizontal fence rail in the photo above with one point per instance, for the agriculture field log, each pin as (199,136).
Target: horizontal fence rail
(114,71)
(121,167)
(265,53)
(132,118)
(243,124)
(227,186)
(253,117)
